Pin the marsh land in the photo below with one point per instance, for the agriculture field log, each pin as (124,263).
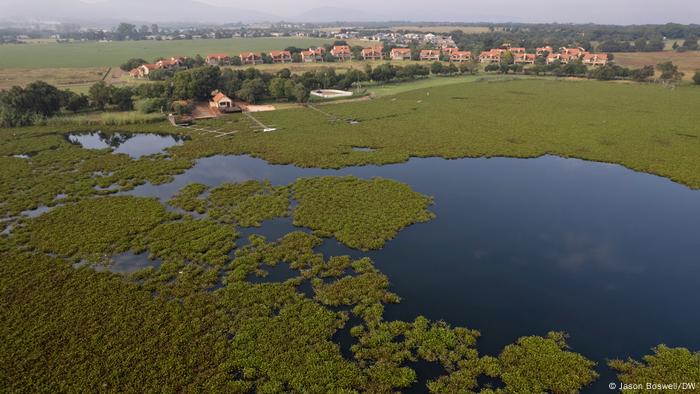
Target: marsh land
(493,235)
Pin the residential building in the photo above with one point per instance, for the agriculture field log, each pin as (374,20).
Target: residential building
(450,50)
(461,56)
(144,70)
(546,49)
(595,59)
(401,54)
(524,58)
(374,53)
(281,56)
(342,52)
(492,56)
(218,59)
(172,63)
(430,55)
(312,55)
(516,50)
(223,103)
(251,58)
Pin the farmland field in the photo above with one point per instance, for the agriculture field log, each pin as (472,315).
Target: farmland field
(687,62)
(101,54)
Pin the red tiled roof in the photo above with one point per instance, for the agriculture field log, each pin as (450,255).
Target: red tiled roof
(218,56)
(280,53)
(251,54)
(220,97)
(341,49)
(401,50)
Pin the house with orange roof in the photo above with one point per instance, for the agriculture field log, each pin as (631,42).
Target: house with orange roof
(516,50)
(223,103)
(313,55)
(450,50)
(524,58)
(218,59)
(554,57)
(251,58)
(545,49)
(492,56)
(171,63)
(461,56)
(374,53)
(281,56)
(144,70)
(401,54)
(577,51)
(342,52)
(595,59)
(430,55)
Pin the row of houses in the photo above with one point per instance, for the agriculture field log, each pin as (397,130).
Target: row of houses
(342,53)
(144,70)
(564,56)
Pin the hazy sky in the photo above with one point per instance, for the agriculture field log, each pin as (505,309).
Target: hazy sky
(601,11)
(578,11)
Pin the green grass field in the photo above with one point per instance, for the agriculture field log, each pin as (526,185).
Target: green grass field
(97,54)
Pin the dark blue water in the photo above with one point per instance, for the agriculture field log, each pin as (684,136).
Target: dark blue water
(134,145)
(523,247)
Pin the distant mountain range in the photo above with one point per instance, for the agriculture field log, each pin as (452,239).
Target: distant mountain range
(133,10)
(165,11)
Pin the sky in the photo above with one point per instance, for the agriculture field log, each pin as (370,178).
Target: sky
(574,11)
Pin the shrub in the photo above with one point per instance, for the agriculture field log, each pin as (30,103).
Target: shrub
(151,105)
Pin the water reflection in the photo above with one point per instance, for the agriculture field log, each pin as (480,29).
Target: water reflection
(134,145)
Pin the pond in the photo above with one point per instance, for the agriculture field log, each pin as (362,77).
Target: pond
(522,247)
(134,145)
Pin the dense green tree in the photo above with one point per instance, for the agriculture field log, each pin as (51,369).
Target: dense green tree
(77,102)
(696,77)
(126,31)
(252,90)
(669,72)
(132,64)
(100,94)
(21,106)
(197,83)
(642,74)
(122,98)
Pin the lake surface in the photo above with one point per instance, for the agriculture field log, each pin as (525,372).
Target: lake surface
(134,145)
(522,247)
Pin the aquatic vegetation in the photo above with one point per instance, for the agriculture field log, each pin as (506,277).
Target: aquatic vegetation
(79,330)
(361,214)
(188,198)
(665,366)
(367,289)
(94,229)
(388,346)
(282,341)
(541,364)
(193,252)
(68,329)
(247,204)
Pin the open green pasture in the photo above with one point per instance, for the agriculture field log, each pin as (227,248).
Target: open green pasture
(101,54)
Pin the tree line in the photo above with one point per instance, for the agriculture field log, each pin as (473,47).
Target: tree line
(24,106)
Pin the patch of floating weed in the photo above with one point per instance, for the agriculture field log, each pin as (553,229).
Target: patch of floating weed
(541,364)
(361,214)
(94,229)
(247,204)
(665,365)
